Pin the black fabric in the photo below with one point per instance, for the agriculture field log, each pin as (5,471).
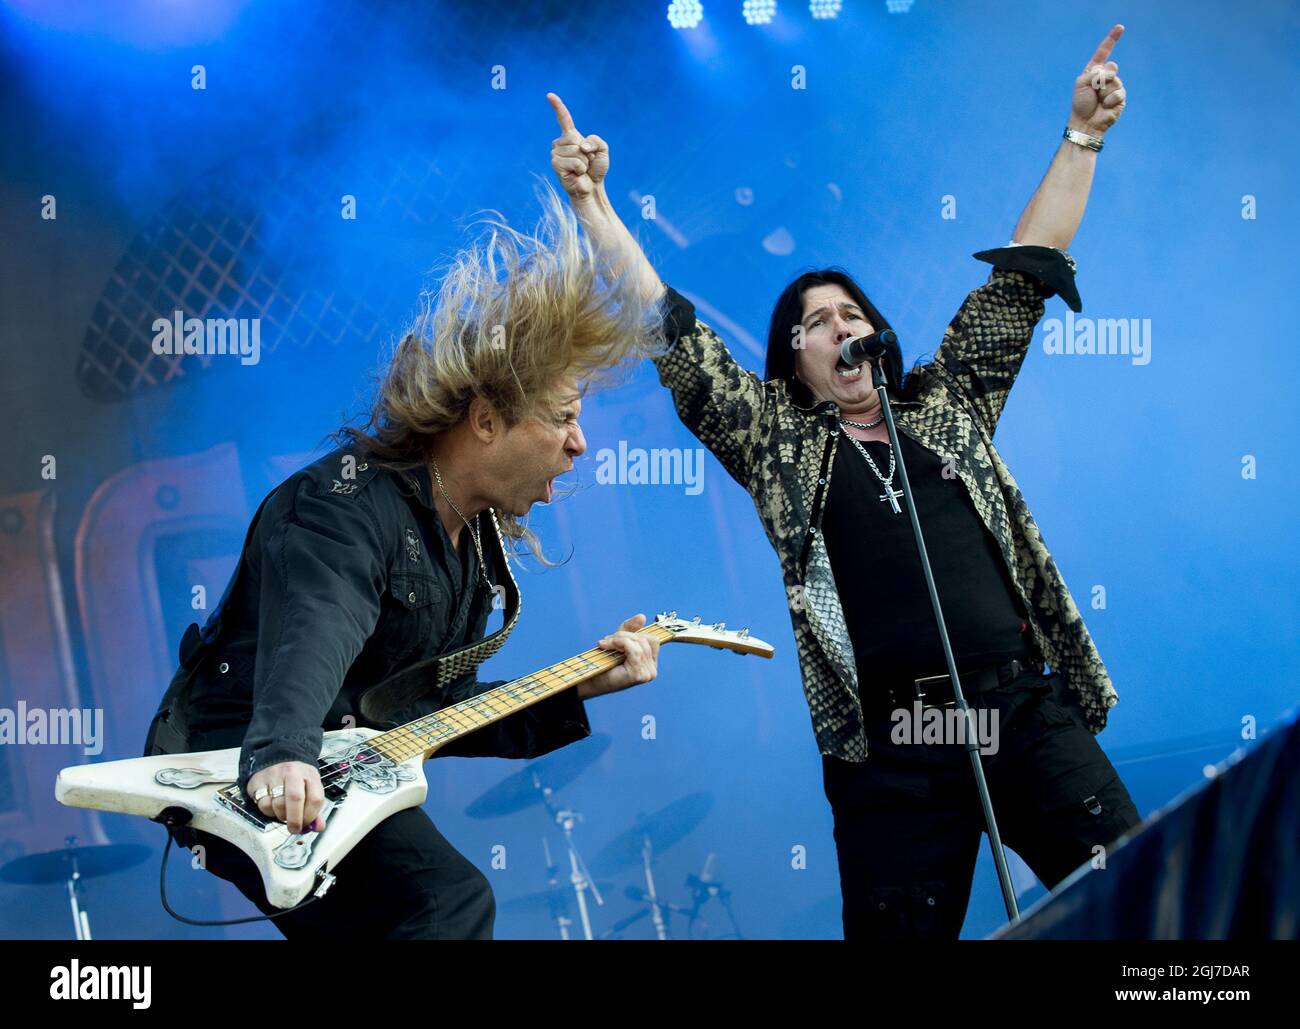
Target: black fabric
(678,315)
(341,584)
(887,696)
(1055,795)
(1047,264)
(335,592)
(403,881)
(878,572)
(1219,864)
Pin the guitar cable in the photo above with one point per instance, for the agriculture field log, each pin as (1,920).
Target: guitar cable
(177,818)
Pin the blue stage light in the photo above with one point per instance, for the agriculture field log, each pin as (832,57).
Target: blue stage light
(824,8)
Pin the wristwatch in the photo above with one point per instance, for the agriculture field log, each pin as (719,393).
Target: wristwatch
(1082,138)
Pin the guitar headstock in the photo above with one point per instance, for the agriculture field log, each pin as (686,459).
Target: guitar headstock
(738,641)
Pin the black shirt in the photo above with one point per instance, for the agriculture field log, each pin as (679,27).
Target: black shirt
(878,572)
(344,583)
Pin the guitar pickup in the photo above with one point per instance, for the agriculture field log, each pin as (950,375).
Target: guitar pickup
(232,799)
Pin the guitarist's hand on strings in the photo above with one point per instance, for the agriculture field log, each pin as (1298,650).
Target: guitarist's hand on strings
(640,664)
(293,795)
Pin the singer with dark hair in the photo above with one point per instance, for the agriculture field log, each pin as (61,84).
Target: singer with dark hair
(785,330)
(810,445)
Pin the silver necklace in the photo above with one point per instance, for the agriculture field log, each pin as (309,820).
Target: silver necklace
(887,481)
(473,529)
(862,425)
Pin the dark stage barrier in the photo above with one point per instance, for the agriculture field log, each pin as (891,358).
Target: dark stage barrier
(1220,862)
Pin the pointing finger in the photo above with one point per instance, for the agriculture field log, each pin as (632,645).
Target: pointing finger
(563,116)
(1105,47)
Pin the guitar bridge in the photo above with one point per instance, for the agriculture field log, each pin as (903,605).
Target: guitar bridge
(232,799)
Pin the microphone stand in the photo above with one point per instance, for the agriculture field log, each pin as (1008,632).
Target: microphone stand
(880,382)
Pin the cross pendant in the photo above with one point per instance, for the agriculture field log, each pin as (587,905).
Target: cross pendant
(889,494)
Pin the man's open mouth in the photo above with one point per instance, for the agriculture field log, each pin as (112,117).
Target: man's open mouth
(843,371)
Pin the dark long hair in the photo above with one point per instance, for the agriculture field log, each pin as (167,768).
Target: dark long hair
(788,313)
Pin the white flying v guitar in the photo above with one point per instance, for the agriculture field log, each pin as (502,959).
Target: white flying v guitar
(367,774)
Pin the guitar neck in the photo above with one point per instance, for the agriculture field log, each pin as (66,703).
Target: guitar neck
(428,733)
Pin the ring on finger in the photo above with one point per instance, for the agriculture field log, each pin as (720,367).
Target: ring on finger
(278,791)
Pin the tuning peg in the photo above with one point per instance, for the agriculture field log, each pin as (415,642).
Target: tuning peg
(744,632)
(719,626)
(672,614)
(695,620)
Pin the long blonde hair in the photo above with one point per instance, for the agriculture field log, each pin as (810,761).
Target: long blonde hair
(514,315)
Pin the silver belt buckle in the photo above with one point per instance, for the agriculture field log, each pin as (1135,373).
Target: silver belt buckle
(920,692)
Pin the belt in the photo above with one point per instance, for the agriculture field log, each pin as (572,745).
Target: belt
(937,691)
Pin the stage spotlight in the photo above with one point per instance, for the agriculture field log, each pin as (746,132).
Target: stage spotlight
(824,8)
(758,12)
(685,14)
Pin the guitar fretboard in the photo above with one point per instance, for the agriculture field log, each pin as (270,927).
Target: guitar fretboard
(429,732)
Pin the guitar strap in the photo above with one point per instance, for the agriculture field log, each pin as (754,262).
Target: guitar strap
(169,730)
(381,701)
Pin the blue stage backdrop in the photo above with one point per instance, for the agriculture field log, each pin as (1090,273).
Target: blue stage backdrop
(310,165)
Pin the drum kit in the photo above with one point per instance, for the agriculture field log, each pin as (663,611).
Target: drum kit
(537,785)
(71,865)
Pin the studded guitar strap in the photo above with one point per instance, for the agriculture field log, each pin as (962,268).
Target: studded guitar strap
(402,690)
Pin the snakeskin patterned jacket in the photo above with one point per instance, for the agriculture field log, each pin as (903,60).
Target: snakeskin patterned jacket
(781,453)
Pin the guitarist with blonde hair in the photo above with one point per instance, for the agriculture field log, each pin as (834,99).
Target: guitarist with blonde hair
(366,580)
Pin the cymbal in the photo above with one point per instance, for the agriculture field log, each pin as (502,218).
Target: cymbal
(517,791)
(666,827)
(54,866)
(542,900)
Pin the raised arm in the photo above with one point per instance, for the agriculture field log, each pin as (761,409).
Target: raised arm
(581,163)
(986,342)
(1054,212)
(722,403)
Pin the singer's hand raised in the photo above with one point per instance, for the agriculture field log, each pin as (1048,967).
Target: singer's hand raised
(1099,95)
(580,162)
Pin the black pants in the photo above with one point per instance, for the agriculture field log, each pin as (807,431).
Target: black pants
(908,821)
(403,881)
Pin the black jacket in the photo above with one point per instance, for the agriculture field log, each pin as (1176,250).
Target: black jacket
(340,588)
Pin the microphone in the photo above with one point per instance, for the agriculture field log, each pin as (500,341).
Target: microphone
(704,883)
(854,352)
